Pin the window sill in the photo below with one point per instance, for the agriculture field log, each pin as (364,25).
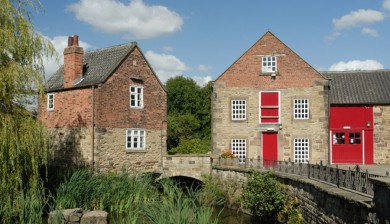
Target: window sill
(276,73)
(238,120)
(136,151)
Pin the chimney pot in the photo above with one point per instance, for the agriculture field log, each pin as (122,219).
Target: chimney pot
(70,41)
(75,40)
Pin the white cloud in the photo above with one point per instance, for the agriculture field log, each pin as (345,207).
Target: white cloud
(204,68)
(356,65)
(386,4)
(166,65)
(370,32)
(330,38)
(133,20)
(358,18)
(202,81)
(167,49)
(59,43)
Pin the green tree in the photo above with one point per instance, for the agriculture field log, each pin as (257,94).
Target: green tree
(22,138)
(189,118)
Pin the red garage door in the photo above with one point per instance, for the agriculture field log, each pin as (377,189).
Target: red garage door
(351,134)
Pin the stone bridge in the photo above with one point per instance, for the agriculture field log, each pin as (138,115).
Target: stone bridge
(193,166)
(320,202)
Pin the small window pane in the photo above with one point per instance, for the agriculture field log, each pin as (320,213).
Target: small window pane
(301,109)
(135,139)
(238,109)
(239,149)
(301,150)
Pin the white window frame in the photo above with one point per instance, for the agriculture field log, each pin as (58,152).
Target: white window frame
(135,139)
(269,64)
(301,109)
(301,150)
(238,110)
(238,147)
(50,101)
(138,93)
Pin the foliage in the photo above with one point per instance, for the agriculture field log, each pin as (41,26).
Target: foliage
(264,196)
(221,192)
(178,207)
(191,146)
(189,114)
(228,154)
(136,199)
(290,214)
(22,138)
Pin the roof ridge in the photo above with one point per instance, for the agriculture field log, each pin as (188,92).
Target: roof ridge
(111,47)
(357,71)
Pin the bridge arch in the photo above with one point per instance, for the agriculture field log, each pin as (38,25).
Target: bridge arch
(193,166)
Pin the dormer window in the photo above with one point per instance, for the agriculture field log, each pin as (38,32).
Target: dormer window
(269,64)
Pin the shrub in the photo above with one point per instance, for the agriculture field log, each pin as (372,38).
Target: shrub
(264,196)
(191,146)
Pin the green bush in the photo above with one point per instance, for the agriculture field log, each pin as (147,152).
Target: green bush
(191,146)
(264,196)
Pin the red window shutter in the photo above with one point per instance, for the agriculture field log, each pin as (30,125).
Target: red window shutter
(269,107)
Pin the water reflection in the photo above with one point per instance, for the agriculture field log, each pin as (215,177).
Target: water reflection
(230,216)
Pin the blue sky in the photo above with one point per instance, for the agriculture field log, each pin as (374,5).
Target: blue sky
(201,39)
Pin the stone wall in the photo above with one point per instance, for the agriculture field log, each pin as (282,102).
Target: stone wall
(324,203)
(315,128)
(381,134)
(186,165)
(70,146)
(111,153)
(77,216)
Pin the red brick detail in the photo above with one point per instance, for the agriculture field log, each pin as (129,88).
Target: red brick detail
(73,64)
(71,109)
(292,70)
(113,98)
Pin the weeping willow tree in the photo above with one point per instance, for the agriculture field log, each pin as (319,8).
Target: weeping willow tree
(22,138)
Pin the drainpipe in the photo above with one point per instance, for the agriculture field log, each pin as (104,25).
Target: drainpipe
(93,130)
(161,136)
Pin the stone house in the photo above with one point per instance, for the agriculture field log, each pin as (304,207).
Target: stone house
(270,104)
(106,107)
(359,120)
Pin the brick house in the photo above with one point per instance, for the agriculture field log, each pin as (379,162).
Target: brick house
(359,120)
(270,104)
(106,107)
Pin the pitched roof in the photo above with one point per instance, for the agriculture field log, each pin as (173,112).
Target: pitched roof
(98,66)
(359,87)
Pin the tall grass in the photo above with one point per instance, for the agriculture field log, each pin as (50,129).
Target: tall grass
(27,207)
(134,199)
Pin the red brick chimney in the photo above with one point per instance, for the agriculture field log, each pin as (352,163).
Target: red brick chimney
(73,61)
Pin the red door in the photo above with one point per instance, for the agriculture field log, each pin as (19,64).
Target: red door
(351,129)
(347,146)
(270,148)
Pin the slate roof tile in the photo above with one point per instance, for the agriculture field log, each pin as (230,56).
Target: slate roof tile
(359,87)
(98,66)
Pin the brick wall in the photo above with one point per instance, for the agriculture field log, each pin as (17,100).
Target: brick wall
(71,109)
(295,79)
(113,97)
(381,134)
